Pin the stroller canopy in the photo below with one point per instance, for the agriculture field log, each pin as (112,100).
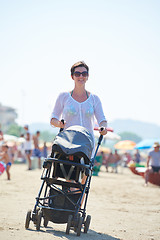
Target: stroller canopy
(75,139)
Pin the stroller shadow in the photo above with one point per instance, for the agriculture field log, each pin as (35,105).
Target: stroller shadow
(90,235)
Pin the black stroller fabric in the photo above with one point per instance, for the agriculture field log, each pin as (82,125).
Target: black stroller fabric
(75,140)
(60,201)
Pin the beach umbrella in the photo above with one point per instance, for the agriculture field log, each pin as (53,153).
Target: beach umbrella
(104,149)
(9,138)
(125,145)
(10,143)
(110,134)
(146,143)
(21,140)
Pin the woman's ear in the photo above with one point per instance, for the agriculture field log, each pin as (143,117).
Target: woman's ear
(72,77)
(88,76)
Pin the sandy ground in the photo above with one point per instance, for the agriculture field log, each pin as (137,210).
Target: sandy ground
(120,206)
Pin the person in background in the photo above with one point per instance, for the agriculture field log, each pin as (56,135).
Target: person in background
(137,157)
(117,159)
(28,146)
(4,156)
(109,161)
(44,150)
(153,162)
(1,136)
(104,157)
(26,127)
(21,150)
(126,158)
(36,150)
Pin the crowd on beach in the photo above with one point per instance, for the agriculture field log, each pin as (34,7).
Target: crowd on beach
(25,150)
(112,160)
(133,159)
(30,148)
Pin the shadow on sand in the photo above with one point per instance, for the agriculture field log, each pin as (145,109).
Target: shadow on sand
(90,235)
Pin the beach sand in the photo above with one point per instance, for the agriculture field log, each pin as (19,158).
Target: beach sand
(119,204)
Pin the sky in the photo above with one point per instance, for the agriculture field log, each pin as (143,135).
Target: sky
(118,39)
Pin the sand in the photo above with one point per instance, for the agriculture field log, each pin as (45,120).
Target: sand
(119,204)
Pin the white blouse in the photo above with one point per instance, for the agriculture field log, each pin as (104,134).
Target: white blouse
(78,113)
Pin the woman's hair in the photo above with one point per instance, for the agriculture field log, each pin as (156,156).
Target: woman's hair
(79,64)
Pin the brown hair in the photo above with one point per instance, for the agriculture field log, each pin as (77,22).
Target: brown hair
(79,64)
(5,145)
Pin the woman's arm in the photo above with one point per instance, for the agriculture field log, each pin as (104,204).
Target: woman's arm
(99,114)
(103,124)
(57,111)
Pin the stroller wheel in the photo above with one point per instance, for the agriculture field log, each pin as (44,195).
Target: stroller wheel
(28,219)
(79,226)
(38,222)
(45,222)
(87,223)
(76,222)
(69,223)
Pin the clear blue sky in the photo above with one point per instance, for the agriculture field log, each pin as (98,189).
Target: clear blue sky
(118,39)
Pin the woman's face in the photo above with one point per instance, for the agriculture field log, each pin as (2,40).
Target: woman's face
(80,75)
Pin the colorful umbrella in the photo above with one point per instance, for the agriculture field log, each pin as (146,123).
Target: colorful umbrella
(146,143)
(109,135)
(104,149)
(9,138)
(125,145)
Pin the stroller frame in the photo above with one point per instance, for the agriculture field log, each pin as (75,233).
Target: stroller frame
(56,192)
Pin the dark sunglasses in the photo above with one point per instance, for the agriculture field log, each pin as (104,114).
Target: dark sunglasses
(78,74)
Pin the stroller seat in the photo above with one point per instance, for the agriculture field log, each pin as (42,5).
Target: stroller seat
(72,148)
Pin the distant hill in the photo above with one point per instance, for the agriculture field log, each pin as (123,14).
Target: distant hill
(42,127)
(142,129)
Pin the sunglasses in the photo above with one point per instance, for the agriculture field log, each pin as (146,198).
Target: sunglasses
(78,74)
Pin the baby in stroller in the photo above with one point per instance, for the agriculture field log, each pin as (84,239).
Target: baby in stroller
(63,195)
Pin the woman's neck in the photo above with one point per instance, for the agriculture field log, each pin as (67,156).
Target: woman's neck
(79,94)
(79,91)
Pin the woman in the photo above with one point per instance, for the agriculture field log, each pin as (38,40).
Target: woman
(79,107)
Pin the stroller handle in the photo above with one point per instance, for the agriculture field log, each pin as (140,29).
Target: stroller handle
(99,141)
(108,129)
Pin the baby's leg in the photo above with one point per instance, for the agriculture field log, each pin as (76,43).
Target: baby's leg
(8,173)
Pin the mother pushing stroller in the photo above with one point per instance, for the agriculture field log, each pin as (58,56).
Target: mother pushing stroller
(79,107)
(67,173)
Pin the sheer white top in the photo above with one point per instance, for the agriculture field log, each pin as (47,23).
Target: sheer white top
(76,113)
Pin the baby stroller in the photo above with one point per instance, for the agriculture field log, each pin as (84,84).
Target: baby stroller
(66,182)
